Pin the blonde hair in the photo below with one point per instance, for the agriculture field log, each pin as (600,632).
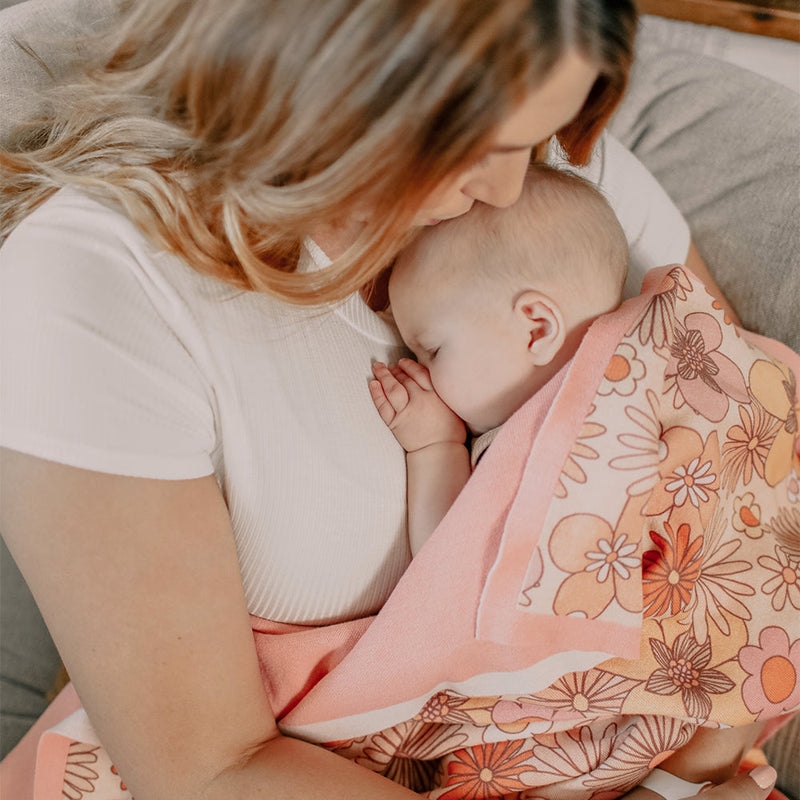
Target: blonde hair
(561,237)
(226,129)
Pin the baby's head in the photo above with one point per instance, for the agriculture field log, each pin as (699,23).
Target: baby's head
(494,303)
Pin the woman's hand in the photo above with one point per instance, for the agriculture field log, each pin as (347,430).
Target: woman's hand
(755,785)
(694,261)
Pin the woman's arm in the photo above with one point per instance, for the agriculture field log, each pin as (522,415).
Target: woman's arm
(139,584)
(696,264)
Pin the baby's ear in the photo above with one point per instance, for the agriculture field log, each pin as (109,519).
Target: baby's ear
(543,325)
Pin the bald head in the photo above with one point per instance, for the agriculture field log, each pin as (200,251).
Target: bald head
(561,237)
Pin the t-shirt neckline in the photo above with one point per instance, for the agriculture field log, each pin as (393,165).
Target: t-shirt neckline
(353,309)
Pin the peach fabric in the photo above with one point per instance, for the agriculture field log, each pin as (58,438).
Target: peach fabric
(612,577)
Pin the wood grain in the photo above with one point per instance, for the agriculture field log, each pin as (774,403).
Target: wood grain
(777,18)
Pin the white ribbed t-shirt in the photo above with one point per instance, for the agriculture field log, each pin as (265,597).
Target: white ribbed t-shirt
(117,357)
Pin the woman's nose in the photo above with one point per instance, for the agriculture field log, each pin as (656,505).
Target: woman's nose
(499,184)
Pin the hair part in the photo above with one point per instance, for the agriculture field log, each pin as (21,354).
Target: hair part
(227,130)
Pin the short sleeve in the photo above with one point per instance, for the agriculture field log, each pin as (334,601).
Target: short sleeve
(656,231)
(94,372)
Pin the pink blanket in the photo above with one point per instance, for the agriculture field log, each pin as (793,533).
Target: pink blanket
(603,585)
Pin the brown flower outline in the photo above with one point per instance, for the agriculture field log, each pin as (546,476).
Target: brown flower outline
(684,669)
(658,320)
(747,446)
(774,386)
(80,773)
(705,378)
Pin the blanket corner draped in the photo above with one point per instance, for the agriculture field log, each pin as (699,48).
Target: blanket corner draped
(609,579)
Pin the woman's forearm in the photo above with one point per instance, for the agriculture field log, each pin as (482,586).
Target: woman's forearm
(290,768)
(696,264)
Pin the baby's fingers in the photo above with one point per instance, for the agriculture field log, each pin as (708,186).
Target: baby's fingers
(382,403)
(417,372)
(388,394)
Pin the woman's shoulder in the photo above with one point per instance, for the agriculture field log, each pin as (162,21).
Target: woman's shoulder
(72,240)
(92,328)
(82,251)
(72,212)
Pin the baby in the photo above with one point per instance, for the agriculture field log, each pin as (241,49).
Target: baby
(493,305)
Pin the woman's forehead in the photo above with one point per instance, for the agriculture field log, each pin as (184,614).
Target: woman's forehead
(550,106)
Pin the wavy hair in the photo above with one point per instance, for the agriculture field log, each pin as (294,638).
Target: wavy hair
(227,129)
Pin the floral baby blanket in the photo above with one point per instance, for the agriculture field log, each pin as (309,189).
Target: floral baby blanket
(607,581)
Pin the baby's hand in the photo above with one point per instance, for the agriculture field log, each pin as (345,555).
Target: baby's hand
(408,404)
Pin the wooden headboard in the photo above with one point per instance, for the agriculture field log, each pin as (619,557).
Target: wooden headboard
(778,18)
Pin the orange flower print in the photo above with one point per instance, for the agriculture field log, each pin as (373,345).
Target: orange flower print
(717,587)
(704,377)
(717,306)
(785,527)
(689,473)
(684,669)
(600,562)
(774,386)
(591,693)
(784,583)
(646,447)
(670,572)
(80,771)
(747,516)
(486,771)
(115,772)
(572,469)
(689,482)
(747,446)
(773,667)
(659,319)
(646,742)
(407,753)
(623,372)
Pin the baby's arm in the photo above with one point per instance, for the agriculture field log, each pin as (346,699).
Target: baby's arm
(433,437)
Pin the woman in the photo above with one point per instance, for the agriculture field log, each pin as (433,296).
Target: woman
(171,467)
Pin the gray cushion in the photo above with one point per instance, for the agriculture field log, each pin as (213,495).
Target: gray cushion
(50,28)
(28,659)
(725,144)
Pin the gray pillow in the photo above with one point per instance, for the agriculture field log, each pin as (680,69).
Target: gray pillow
(725,144)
